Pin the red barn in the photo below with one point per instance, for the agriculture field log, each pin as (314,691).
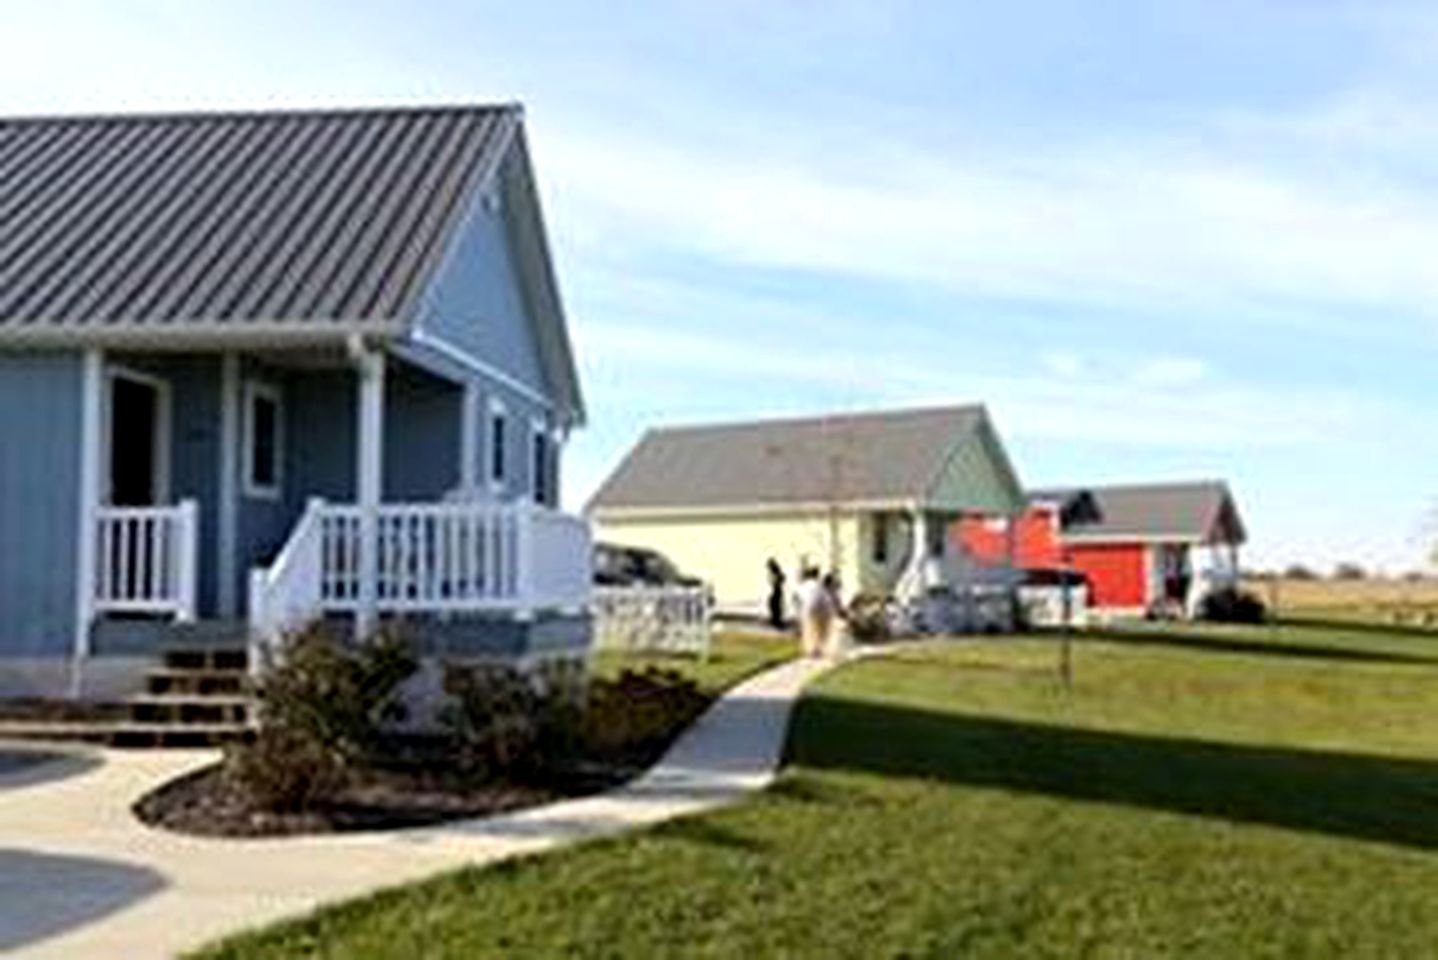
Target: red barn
(1142,547)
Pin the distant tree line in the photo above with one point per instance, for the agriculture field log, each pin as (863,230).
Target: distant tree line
(1345,571)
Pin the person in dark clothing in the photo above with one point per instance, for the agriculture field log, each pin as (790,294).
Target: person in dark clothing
(776,594)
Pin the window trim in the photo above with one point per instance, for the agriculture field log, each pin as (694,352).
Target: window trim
(261,390)
(496,468)
(539,453)
(937,531)
(879,545)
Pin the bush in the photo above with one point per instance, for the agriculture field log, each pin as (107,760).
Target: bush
(870,618)
(284,771)
(639,710)
(1231,605)
(322,708)
(505,723)
(502,720)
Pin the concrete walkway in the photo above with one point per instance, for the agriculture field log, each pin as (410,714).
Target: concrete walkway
(81,878)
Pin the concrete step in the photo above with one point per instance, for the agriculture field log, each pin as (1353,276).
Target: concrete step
(127,733)
(227,634)
(179,710)
(171,680)
(207,659)
(137,734)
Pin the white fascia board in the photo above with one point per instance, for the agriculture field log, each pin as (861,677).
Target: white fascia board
(621,514)
(1154,538)
(465,359)
(198,334)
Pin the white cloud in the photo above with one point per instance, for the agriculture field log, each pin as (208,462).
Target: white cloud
(1167,403)
(1062,363)
(1145,223)
(1170,372)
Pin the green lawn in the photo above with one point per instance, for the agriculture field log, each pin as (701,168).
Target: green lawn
(733,656)
(1200,793)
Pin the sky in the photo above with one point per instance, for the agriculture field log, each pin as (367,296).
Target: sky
(1159,241)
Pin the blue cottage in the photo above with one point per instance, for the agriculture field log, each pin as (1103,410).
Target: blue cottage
(262,367)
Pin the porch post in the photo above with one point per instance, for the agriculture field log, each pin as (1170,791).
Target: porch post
(919,552)
(92,406)
(1011,550)
(469,440)
(369,481)
(227,507)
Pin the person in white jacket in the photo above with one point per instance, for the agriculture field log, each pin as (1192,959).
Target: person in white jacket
(816,613)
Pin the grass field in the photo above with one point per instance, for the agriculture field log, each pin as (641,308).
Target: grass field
(1397,602)
(1201,793)
(733,655)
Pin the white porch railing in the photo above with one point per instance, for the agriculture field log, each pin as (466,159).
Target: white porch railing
(145,559)
(660,619)
(428,558)
(286,594)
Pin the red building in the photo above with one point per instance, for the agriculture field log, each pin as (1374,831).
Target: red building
(1141,547)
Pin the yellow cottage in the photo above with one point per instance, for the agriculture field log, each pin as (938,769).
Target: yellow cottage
(870,496)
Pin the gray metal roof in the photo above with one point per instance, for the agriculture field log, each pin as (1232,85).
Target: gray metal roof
(286,218)
(892,457)
(1199,511)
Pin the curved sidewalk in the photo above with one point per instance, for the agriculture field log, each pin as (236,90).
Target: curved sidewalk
(81,878)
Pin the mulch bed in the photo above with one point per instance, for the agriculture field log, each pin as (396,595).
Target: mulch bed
(209,803)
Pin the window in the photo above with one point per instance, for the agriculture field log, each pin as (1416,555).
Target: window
(881,538)
(497,443)
(264,441)
(937,532)
(540,465)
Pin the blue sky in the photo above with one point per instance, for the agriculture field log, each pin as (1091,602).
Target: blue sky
(1159,240)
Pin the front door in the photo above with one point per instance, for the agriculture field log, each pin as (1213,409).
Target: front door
(137,442)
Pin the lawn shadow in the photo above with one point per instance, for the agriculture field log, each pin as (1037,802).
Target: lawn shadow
(1390,800)
(1192,640)
(704,831)
(44,895)
(1340,625)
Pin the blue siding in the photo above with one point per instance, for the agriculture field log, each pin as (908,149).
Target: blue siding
(320,424)
(315,443)
(477,303)
(422,435)
(39,496)
(522,412)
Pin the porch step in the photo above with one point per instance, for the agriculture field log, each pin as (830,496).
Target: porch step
(138,734)
(233,659)
(127,733)
(229,634)
(187,711)
(199,694)
(172,680)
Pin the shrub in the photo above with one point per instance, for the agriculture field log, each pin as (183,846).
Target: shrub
(322,707)
(1231,605)
(502,720)
(1349,571)
(870,619)
(285,771)
(639,710)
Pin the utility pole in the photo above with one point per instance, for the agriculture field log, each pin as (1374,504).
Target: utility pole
(1066,656)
